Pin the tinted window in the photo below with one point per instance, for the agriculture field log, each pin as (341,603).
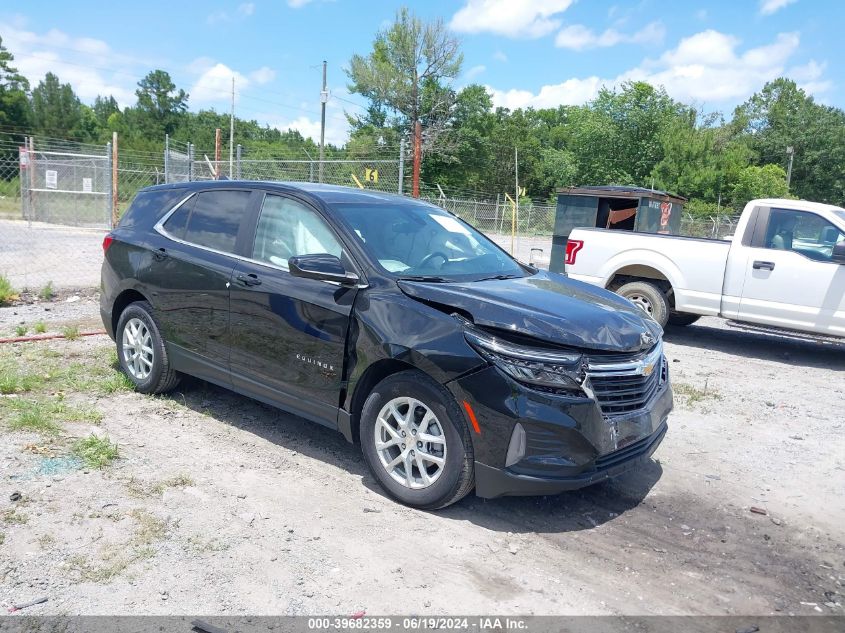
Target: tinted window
(802,232)
(287,228)
(177,222)
(216,219)
(149,207)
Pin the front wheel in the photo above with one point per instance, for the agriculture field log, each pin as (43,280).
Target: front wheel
(416,442)
(682,319)
(141,351)
(649,298)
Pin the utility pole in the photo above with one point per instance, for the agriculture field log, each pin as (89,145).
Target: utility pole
(401,164)
(324,97)
(415,188)
(232,131)
(791,152)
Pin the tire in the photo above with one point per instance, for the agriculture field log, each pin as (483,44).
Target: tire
(649,297)
(147,365)
(449,481)
(682,319)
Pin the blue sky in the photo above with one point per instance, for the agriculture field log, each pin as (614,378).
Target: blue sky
(527,52)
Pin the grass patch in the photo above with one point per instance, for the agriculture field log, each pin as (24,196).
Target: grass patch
(7,293)
(47,291)
(149,528)
(40,327)
(693,395)
(14,380)
(31,415)
(46,541)
(114,561)
(12,517)
(71,332)
(20,330)
(140,489)
(94,451)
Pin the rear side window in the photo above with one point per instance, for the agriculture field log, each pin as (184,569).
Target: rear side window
(149,207)
(216,218)
(178,221)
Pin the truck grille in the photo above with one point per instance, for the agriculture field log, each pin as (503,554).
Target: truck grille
(626,387)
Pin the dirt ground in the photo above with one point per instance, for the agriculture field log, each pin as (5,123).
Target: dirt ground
(219,505)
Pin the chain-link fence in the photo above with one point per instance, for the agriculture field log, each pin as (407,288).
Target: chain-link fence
(713,227)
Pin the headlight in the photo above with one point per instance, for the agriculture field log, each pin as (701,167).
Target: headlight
(564,371)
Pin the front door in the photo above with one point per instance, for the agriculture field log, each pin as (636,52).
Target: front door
(288,333)
(790,280)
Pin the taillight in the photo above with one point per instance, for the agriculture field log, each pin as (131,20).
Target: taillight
(572,248)
(107,240)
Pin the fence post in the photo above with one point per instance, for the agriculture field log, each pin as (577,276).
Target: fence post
(401,164)
(115,194)
(166,158)
(190,162)
(238,149)
(110,196)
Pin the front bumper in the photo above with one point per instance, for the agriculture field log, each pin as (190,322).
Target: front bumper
(569,443)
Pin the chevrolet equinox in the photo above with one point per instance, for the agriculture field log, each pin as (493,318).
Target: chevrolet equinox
(393,322)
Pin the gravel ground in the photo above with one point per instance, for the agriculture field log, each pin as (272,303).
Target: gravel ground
(220,505)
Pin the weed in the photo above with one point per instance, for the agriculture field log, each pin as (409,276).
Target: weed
(31,415)
(71,332)
(46,292)
(179,481)
(13,380)
(94,451)
(12,517)
(20,330)
(46,540)
(149,528)
(40,327)
(2,538)
(693,395)
(201,545)
(7,293)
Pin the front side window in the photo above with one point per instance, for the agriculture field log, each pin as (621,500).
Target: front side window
(287,228)
(802,232)
(216,219)
(411,239)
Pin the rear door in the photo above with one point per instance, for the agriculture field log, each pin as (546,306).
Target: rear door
(790,280)
(288,333)
(190,277)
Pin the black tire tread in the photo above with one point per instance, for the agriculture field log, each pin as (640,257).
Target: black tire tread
(169,378)
(647,287)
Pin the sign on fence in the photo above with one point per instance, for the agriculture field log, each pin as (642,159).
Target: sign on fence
(51,179)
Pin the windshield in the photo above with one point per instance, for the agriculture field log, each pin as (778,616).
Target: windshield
(417,240)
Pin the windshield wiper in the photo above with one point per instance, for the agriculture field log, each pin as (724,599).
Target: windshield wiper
(429,278)
(501,276)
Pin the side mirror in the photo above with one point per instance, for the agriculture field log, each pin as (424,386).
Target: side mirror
(323,267)
(838,254)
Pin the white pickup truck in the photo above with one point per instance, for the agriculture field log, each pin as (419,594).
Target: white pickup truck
(783,268)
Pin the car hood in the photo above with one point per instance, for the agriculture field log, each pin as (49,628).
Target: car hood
(546,306)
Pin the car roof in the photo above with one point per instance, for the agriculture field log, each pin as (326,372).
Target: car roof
(324,192)
(797,205)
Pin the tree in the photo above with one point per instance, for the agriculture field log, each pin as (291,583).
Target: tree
(405,73)
(56,109)
(768,181)
(160,105)
(14,104)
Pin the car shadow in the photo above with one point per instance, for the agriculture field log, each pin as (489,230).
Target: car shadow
(762,345)
(567,512)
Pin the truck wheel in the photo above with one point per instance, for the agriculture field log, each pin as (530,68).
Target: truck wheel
(681,319)
(141,351)
(649,298)
(416,442)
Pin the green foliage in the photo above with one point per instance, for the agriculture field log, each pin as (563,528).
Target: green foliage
(20,330)
(71,332)
(40,327)
(768,181)
(7,293)
(47,292)
(95,452)
(703,209)
(56,110)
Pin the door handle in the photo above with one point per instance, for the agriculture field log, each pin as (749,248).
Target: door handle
(249,280)
(160,254)
(758,265)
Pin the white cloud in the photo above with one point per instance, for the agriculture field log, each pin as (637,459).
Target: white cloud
(473,72)
(263,75)
(707,67)
(499,56)
(70,58)
(296,4)
(767,7)
(247,8)
(523,19)
(578,37)
(215,84)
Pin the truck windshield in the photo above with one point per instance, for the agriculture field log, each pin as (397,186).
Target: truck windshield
(417,240)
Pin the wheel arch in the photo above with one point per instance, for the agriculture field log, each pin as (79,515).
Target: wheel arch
(664,274)
(121,302)
(372,376)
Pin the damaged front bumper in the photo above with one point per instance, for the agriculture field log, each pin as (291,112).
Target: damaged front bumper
(531,442)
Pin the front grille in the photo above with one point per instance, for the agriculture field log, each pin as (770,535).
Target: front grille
(624,388)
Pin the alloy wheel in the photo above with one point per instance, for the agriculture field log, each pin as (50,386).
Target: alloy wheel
(137,346)
(410,442)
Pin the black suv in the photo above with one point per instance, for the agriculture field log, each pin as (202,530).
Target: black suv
(393,322)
